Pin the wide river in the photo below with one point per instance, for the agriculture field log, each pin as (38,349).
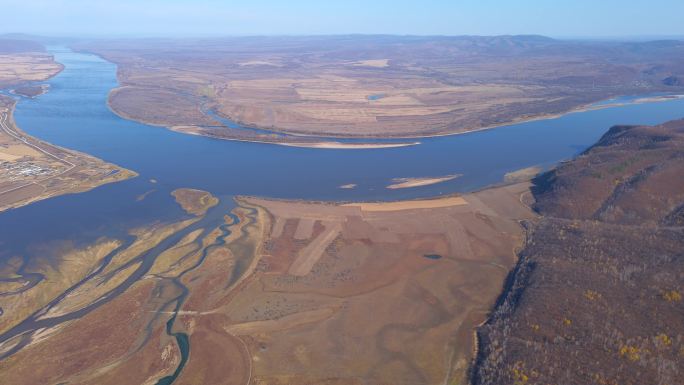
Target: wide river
(74,114)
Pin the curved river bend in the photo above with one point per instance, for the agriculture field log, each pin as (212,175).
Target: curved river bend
(74,114)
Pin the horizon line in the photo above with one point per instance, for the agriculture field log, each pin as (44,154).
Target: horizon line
(642,37)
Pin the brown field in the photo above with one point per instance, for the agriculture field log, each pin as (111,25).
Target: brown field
(134,102)
(376,86)
(31,169)
(19,68)
(300,293)
(354,299)
(23,61)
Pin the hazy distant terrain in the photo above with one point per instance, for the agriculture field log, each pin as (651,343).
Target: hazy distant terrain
(9,46)
(24,61)
(379,86)
(572,278)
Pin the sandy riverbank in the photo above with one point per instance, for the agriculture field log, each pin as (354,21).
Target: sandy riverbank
(400,183)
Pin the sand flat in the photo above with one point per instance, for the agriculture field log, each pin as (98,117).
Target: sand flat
(348,146)
(410,205)
(522,174)
(419,182)
(376,63)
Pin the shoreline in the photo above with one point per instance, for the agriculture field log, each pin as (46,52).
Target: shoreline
(12,130)
(402,183)
(581,108)
(321,145)
(345,146)
(331,144)
(427,198)
(44,89)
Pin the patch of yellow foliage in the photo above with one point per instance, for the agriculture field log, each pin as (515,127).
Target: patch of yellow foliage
(592,295)
(519,375)
(664,339)
(672,296)
(630,352)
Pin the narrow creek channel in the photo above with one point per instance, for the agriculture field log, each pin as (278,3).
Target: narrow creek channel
(74,114)
(182,339)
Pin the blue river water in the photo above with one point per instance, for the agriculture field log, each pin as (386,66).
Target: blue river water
(74,114)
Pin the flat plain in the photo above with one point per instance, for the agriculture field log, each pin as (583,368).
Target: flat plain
(375,86)
(573,278)
(24,61)
(31,169)
(295,293)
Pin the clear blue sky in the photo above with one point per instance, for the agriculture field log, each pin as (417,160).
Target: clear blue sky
(270,17)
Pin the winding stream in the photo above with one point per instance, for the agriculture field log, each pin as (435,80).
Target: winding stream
(74,114)
(182,339)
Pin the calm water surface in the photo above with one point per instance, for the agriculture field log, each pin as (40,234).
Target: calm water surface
(74,114)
